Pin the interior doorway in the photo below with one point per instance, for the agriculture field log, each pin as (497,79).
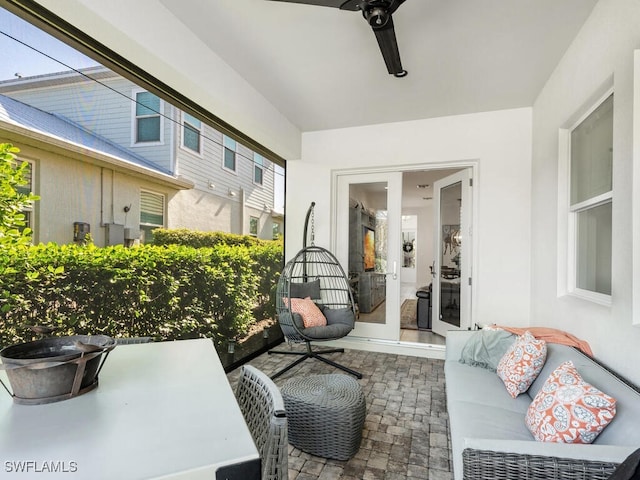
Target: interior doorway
(395,212)
(419,224)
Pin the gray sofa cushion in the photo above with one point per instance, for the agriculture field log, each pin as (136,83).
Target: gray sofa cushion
(482,387)
(482,412)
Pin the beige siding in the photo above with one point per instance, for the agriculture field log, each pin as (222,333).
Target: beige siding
(77,191)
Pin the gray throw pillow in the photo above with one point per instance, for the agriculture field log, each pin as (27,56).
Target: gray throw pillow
(286,318)
(486,348)
(305,289)
(343,316)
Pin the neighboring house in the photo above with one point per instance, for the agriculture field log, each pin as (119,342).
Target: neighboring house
(86,183)
(233,187)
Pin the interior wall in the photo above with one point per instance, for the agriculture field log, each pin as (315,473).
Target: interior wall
(600,56)
(500,143)
(410,227)
(424,241)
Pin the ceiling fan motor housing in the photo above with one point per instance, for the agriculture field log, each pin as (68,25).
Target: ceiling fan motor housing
(377,17)
(376,12)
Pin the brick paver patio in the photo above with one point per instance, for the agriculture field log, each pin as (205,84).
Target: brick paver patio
(406,432)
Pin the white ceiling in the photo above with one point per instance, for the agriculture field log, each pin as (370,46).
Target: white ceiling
(322,68)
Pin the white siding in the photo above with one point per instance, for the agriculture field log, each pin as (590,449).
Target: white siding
(104,111)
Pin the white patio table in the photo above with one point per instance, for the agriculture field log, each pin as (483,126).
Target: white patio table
(161,410)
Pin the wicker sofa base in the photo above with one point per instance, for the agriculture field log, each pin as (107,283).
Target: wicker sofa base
(491,465)
(325,414)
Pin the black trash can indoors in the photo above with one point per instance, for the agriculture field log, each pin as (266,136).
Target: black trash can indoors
(424,307)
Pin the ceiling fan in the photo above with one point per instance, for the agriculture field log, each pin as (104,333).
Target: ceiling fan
(378,15)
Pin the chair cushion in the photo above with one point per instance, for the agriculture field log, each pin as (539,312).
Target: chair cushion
(521,364)
(569,410)
(344,316)
(311,314)
(328,332)
(305,289)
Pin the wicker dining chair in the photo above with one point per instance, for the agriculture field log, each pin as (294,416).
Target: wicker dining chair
(263,409)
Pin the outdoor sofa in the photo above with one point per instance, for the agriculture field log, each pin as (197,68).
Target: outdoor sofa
(490,440)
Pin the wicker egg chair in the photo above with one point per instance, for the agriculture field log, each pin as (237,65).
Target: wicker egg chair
(315,273)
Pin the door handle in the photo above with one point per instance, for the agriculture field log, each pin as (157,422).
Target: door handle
(394,273)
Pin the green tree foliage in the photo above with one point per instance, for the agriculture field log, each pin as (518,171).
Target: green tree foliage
(13,229)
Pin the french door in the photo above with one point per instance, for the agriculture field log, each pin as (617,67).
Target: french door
(368,244)
(451,284)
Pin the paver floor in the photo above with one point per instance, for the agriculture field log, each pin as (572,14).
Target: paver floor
(406,431)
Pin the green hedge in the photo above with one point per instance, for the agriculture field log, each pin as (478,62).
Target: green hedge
(267,259)
(197,239)
(167,292)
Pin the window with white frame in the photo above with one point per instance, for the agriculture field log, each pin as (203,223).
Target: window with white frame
(229,146)
(253,226)
(590,203)
(26,189)
(148,121)
(191,133)
(258,169)
(151,214)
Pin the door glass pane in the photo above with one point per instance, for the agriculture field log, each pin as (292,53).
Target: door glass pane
(450,261)
(593,246)
(368,249)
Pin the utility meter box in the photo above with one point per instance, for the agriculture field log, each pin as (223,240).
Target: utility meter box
(114,234)
(80,231)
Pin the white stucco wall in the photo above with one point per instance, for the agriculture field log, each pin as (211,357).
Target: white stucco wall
(600,56)
(501,144)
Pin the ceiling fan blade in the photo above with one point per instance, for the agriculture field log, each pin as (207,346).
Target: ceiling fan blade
(386,37)
(394,5)
(341,4)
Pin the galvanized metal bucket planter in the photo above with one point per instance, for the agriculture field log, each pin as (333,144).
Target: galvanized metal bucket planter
(55,368)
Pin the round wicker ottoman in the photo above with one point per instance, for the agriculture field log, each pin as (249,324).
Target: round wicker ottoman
(325,414)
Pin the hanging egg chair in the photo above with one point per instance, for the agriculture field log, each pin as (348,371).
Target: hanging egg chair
(314,302)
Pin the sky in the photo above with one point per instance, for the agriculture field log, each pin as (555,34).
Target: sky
(18,58)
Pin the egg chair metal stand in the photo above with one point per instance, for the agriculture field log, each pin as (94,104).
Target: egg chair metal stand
(314,272)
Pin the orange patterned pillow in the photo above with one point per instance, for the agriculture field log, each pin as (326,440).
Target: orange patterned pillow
(521,364)
(309,311)
(569,410)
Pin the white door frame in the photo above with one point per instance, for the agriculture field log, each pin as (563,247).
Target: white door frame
(473,164)
(390,329)
(464,178)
